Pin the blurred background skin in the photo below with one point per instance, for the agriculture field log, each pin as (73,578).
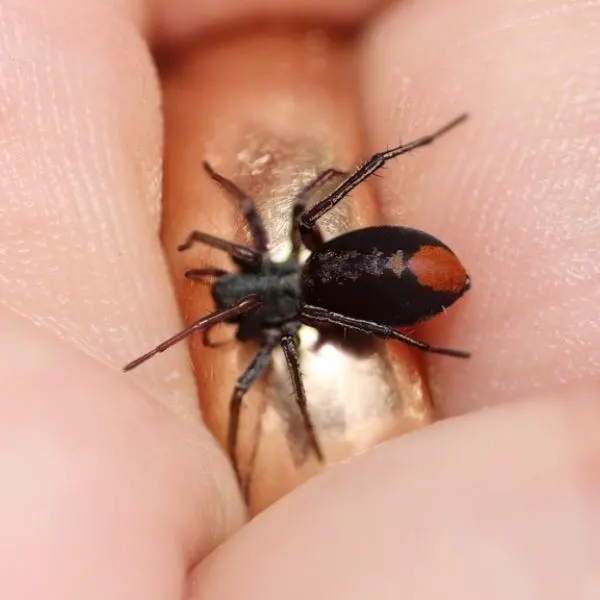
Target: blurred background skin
(112,492)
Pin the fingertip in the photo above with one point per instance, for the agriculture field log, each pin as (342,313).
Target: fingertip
(98,479)
(478,506)
(510,191)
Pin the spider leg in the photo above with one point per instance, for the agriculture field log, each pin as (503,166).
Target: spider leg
(299,206)
(314,315)
(243,306)
(307,220)
(202,275)
(199,274)
(246,205)
(257,366)
(290,351)
(243,254)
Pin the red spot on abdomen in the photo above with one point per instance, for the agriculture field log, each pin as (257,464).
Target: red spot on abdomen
(439,269)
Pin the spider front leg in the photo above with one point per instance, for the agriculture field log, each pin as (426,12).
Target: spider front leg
(202,275)
(307,221)
(242,307)
(299,206)
(246,205)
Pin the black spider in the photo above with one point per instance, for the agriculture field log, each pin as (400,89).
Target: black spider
(369,280)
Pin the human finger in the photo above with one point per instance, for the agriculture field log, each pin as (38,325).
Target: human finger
(513,191)
(107,492)
(81,163)
(497,504)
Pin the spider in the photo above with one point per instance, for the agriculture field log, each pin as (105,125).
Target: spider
(368,280)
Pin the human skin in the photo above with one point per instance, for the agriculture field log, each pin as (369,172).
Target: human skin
(110,492)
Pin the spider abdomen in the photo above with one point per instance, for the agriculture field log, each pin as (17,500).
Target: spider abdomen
(395,275)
